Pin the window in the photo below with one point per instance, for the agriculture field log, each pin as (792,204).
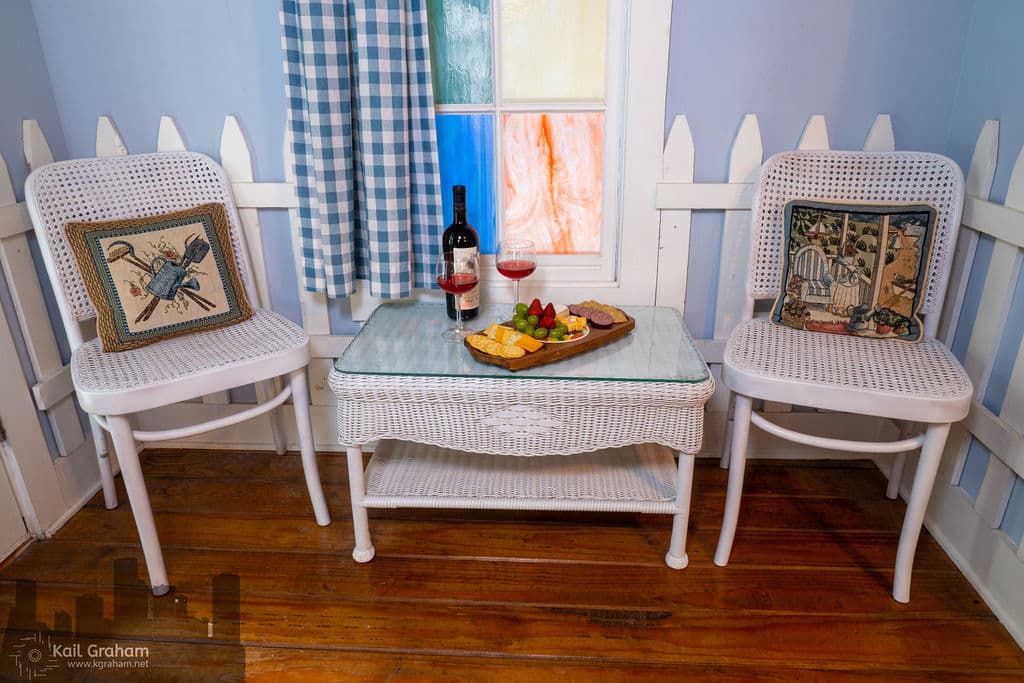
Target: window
(529,96)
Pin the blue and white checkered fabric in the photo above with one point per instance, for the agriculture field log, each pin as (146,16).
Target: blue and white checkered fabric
(361,130)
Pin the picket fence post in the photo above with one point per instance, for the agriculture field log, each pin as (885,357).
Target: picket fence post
(30,307)
(978,183)
(674,230)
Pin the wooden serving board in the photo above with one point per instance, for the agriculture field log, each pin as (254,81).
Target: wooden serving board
(599,336)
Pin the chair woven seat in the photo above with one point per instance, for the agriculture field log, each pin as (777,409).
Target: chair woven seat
(772,362)
(106,380)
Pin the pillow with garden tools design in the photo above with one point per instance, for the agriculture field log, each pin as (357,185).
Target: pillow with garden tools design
(159,276)
(855,269)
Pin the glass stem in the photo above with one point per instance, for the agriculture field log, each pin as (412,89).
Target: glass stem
(515,287)
(458,313)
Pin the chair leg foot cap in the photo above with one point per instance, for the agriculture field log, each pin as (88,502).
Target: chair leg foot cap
(363,555)
(161,590)
(676,562)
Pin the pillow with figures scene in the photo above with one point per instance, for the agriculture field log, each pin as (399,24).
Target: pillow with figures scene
(855,269)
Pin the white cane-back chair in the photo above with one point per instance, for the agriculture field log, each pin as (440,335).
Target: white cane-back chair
(112,386)
(911,383)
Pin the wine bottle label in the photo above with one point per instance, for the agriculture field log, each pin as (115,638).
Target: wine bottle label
(470,299)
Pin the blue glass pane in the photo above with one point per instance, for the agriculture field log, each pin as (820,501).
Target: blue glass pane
(1013,520)
(974,469)
(465,145)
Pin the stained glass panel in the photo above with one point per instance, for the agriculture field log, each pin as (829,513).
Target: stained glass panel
(553,175)
(460,51)
(465,144)
(553,50)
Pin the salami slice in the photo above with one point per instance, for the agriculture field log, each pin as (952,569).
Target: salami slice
(597,318)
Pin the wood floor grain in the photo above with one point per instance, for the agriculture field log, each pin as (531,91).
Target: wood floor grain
(467,595)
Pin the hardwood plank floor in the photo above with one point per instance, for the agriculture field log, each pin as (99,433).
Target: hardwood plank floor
(472,595)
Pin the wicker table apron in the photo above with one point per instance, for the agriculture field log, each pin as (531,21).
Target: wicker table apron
(600,422)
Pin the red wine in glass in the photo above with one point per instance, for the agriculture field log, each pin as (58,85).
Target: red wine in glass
(457,276)
(516,269)
(459,283)
(516,261)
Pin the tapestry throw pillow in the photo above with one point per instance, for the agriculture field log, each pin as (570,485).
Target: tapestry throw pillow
(855,269)
(159,276)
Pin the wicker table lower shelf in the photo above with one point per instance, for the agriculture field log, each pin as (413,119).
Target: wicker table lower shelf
(629,479)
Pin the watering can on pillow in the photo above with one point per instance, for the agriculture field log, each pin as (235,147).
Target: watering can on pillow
(169,277)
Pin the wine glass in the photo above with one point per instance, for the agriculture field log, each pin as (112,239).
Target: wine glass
(457,276)
(516,261)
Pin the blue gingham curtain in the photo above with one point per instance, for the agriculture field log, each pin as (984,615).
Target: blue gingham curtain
(361,129)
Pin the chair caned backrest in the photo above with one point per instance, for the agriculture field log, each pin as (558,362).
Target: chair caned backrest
(865,177)
(106,188)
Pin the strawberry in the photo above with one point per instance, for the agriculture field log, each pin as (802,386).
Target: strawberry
(535,308)
(548,321)
(549,311)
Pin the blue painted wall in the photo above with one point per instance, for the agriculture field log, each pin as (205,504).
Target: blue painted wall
(786,60)
(27,93)
(195,60)
(991,87)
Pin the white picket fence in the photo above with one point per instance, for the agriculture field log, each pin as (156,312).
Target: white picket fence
(968,529)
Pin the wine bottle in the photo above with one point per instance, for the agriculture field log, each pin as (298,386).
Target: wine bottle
(459,241)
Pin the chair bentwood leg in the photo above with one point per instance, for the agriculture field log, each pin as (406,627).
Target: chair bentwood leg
(730,416)
(271,387)
(300,401)
(924,478)
(737,465)
(892,490)
(99,440)
(131,472)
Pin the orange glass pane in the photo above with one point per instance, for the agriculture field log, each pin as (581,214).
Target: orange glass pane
(553,174)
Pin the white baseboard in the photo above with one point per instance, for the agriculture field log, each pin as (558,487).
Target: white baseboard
(836,425)
(985,556)
(78,474)
(256,435)
(252,434)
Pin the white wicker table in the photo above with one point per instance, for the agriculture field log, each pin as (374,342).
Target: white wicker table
(452,431)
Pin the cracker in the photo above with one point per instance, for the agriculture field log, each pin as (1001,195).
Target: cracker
(493,348)
(617,315)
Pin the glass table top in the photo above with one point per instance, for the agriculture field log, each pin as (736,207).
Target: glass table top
(404,338)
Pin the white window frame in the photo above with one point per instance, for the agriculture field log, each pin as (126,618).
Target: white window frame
(625,272)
